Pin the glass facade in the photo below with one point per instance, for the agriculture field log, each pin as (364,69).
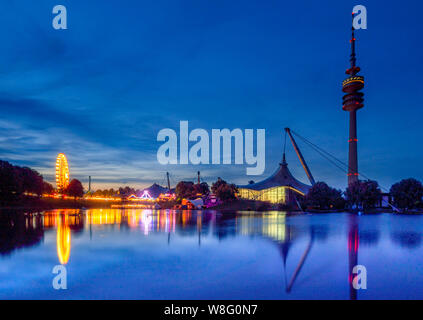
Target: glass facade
(272,195)
(272,225)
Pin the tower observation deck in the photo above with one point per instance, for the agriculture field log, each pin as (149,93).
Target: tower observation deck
(352,101)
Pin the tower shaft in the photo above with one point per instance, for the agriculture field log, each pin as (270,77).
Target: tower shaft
(352,152)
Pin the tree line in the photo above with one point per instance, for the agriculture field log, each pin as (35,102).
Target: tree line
(221,189)
(109,193)
(16,181)
(406,194)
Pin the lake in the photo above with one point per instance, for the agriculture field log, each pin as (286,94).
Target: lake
(147,254)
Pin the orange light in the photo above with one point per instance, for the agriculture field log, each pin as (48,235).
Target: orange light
(62,172)
(63,242)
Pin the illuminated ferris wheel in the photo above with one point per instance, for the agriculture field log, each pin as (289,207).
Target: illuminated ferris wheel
(62,172)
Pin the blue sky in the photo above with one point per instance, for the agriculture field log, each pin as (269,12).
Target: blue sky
(101,90)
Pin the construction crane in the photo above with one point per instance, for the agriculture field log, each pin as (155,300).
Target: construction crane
(168,181)
(300,156)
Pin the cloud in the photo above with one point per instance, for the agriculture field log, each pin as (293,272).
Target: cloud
(101,90)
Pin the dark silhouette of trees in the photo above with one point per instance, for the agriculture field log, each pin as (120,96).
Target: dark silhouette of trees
(127,191)
(48,188)
(75,189)
(407,194)
(184,190)
(202,188)
(363,193)
(322,196)
(224,191)
(30,181)
(15,181)
(8,181)
(217,184)
(104,193)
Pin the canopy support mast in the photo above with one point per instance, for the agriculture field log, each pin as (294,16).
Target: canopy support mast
(300,156)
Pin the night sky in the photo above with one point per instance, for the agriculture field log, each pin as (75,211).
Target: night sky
(101,90)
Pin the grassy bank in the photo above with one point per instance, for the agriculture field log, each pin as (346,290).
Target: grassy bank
(33,203)
(251,205)
(52,203)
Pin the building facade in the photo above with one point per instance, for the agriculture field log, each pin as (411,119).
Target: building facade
(281,187)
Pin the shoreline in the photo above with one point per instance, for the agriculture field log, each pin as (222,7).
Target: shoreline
(42,204)
(221,210)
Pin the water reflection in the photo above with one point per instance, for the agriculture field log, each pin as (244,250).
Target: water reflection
(63,240)
(286,232)
(410,240)
(353,243)
(19,231)
(369,238)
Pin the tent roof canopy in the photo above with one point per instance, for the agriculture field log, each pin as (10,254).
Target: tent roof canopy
(281,178)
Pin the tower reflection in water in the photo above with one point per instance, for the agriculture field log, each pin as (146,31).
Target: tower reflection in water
(353,242)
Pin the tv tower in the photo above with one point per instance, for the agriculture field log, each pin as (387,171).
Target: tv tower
(352,101)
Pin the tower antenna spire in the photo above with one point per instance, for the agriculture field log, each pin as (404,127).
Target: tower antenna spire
(354,69)
(353,57)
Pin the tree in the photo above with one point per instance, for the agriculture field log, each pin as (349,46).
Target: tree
(15,181)
(201,188)
(126,191)
(224,191)
(110,193)
(9,185)
(106,193)
(184,190)
(322,196)
(407,193)
(363,193)
(75,189)
(30,181)
(217,184)
(47,188)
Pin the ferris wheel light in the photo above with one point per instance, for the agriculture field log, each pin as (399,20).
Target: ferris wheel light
(62,173)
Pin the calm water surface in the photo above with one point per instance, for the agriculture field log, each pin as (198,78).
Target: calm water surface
(145,254)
